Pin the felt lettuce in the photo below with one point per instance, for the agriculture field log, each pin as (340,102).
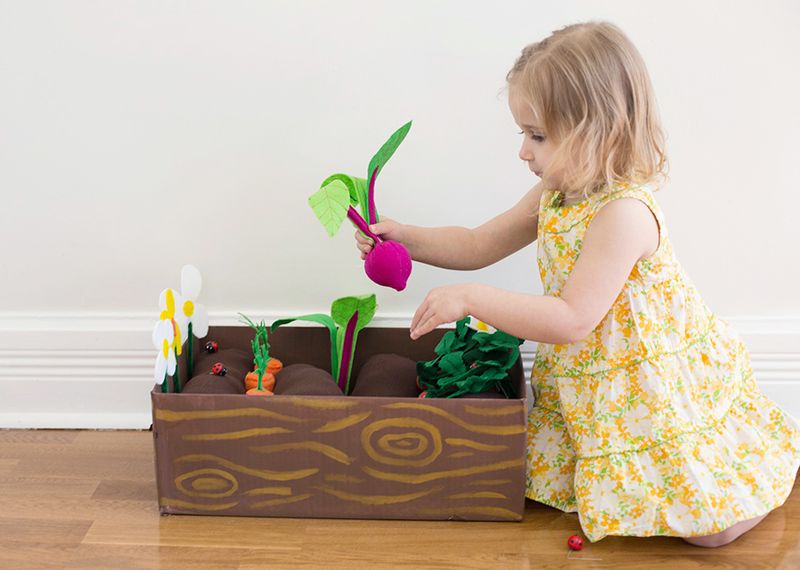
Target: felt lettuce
(470,360)
(348,316)
(389,263)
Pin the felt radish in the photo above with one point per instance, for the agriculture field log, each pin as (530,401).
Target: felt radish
(389,263)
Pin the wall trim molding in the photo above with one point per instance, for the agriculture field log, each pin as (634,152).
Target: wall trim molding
(96,368)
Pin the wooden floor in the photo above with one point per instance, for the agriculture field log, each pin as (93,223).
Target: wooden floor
(87,499)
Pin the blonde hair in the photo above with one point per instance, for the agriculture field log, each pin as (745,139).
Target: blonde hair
(588,87)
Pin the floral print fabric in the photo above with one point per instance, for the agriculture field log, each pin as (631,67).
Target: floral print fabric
(653,424)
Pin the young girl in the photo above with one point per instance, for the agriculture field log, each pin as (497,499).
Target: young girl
(647,419)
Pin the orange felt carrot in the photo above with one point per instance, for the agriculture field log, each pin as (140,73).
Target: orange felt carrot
(251,381)
(257,392)
(274,366)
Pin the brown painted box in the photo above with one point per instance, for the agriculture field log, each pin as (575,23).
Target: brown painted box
(340,457)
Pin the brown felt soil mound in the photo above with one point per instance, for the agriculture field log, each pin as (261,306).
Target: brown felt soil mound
(206,383)
(229,357)
(305,380)
(387,375)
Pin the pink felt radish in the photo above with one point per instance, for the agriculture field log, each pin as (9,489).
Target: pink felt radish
(389,263)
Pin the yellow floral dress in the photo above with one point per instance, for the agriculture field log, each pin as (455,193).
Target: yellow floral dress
(653,424)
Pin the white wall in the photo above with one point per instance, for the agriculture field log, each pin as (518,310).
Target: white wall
(139,136)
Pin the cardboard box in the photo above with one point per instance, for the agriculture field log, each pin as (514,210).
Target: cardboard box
(341,457)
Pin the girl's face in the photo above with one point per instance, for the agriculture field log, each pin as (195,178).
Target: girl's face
(537,148)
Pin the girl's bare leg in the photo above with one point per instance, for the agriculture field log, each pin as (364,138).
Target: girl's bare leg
(726,536)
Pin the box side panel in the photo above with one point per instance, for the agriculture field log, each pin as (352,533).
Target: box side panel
(339,457)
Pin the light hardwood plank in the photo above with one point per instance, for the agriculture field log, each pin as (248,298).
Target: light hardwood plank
(87,500)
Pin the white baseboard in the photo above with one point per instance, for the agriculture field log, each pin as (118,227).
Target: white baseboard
(94,371)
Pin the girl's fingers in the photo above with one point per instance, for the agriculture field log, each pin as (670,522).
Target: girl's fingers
(422,315)
(426,327)
(361,238)
(417,315)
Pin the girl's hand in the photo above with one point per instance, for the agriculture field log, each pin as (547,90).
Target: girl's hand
(386,228)
(442,305)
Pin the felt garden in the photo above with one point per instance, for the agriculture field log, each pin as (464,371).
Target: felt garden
(336,418)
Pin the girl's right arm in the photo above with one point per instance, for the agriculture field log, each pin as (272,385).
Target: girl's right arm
(462,248)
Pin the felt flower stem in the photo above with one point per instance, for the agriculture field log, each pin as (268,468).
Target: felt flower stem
(347,351)
(164,385)
(177,376)
(189,362)
(356,218)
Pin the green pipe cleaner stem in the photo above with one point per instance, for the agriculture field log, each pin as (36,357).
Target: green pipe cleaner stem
(189,362)
(177,376)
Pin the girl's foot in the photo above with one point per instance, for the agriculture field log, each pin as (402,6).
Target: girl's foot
(726,536)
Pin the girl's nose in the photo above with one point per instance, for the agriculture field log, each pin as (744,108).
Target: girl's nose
(525,153)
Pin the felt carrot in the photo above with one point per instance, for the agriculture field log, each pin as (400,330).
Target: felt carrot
(251,380)
(259,392)
(260,346)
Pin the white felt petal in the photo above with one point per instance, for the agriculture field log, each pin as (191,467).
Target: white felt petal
(172,363)
(183,326)
(178,301)
(162,331)
(200,321)
(162,300)
(161,368)
(164,305)
(191,282)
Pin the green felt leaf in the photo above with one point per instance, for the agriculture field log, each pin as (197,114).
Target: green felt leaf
(357,187)
(330,205)
(453,364)
(362,191)
(387,150)
(344,308)
(322,319)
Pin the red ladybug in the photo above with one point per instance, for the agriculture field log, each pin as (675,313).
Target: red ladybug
(575,542)
(218,369)
(212,347)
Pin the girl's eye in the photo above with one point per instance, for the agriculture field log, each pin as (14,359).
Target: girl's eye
(534,136)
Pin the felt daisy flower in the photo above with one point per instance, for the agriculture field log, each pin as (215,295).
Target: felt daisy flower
(167,338)
(479,325)
(163,339)
(191,311)
(168,302)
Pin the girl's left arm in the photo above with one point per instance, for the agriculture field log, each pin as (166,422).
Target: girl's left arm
(621,233)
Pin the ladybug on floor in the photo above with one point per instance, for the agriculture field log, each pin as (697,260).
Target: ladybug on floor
(211,347)
(575,542)
(218,369)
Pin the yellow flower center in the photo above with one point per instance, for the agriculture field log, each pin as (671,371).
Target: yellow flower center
(188,308)
(170,298)
(177,342)
(165,348)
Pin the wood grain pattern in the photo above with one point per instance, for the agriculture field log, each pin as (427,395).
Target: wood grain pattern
(85,500)
(412,460)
